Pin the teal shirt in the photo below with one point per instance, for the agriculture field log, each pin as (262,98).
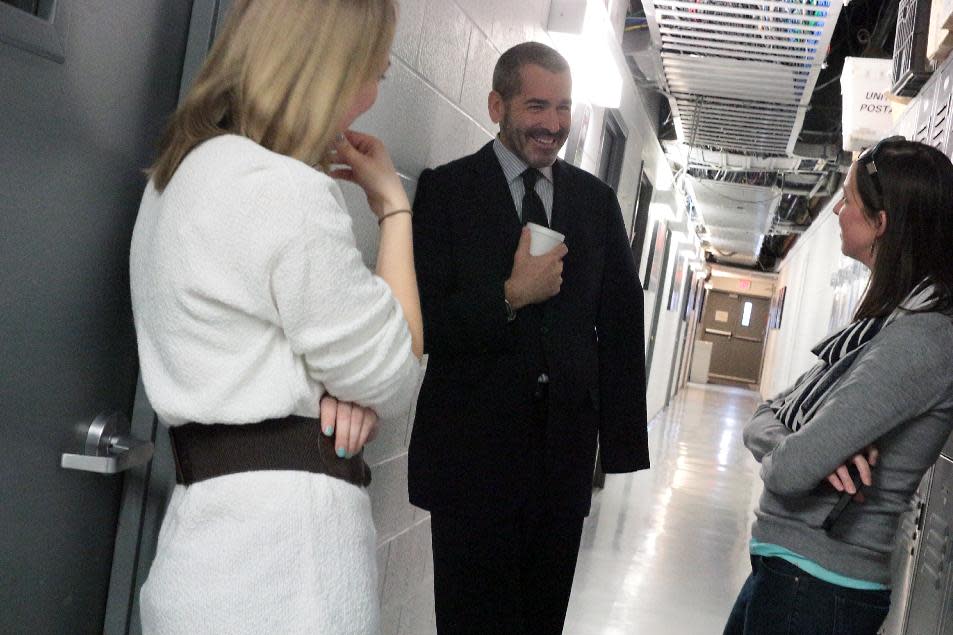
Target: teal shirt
(768,550)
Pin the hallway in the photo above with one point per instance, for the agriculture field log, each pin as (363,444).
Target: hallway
(664,552)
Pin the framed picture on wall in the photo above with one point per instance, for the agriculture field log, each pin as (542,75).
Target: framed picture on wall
(777,308)
(650,256)
(633,223)
(654,274)
(578,130)
(695,286)
(613,149)
(675,293)
(773,310)
(640,220)
(690,305)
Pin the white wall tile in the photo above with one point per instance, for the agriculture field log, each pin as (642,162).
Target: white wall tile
(478,79)
(420,514)
(392,513)
(401,117)
(391,441)
(409,562)
(419,617)
(452,135)
(443,47)
(382,552)
(410,22)
(419,126)
(390,618)
(484,12)
(363,221)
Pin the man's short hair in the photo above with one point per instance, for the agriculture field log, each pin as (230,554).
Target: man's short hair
(506,76)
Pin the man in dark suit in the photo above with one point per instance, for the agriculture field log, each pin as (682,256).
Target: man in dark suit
(531,359)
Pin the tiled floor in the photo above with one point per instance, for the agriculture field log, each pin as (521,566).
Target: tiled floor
(664,551)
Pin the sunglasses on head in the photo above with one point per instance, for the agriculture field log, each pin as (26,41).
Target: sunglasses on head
(868,159)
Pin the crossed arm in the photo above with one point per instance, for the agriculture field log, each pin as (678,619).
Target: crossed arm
(765,432)
(893,382)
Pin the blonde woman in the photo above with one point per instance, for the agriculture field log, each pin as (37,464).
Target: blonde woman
(252,306)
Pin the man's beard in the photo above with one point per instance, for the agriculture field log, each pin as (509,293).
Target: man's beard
(521,141)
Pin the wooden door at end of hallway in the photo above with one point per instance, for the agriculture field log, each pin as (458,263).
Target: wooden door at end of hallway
(735,325)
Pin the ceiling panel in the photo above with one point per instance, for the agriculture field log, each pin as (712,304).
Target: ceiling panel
(749,65)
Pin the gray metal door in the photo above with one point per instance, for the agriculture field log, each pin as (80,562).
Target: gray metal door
(735,325)
(85,87)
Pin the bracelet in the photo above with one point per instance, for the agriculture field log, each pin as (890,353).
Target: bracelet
(394,213)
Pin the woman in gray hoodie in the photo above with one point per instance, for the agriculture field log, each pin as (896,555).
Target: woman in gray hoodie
(873,413)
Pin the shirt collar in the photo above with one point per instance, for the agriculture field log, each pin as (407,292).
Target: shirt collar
(513,166)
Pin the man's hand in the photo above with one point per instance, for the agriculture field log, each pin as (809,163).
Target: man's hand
(840,479)
(352,425)
(534,279)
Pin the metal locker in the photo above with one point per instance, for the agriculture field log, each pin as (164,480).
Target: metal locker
(931,583)
(904,560)
(923,106)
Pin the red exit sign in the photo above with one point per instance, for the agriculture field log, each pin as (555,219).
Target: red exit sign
(744,284)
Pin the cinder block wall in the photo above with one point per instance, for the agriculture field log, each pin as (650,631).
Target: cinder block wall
(432,108)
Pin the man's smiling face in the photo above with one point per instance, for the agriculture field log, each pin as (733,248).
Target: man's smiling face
(534,124)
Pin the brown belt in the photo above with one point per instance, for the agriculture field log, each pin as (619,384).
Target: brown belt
(202,451)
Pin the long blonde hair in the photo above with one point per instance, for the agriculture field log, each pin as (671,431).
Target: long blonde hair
(282,73)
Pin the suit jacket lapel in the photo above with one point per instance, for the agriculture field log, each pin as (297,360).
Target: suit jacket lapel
(562,199)
(561,221)
(492,181)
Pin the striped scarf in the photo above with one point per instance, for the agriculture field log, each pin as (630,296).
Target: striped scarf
(835,355)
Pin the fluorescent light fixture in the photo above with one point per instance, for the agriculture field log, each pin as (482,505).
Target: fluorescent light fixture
(581,31)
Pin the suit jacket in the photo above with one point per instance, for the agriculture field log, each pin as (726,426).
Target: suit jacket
(476,446)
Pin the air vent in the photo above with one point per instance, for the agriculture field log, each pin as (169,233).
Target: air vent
(940,122)
(911,68)
(739,73)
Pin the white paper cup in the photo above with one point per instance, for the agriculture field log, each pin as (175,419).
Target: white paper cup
(542,239)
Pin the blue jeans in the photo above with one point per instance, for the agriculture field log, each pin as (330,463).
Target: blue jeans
(780,599)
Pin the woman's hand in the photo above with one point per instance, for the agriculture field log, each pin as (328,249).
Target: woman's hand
(370,167)
(842,482)
(352,425)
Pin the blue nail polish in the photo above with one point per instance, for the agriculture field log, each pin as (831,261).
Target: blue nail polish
(329,431)
(341,453)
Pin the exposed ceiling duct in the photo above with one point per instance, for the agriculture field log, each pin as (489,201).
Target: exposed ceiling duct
(739,73)
(736,217)
(738,76)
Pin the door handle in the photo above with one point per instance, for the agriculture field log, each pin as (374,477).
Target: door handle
(108,448)
(718,332)
(748,339)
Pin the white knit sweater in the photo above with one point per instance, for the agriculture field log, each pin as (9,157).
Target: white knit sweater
(250,301)
(250,297)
